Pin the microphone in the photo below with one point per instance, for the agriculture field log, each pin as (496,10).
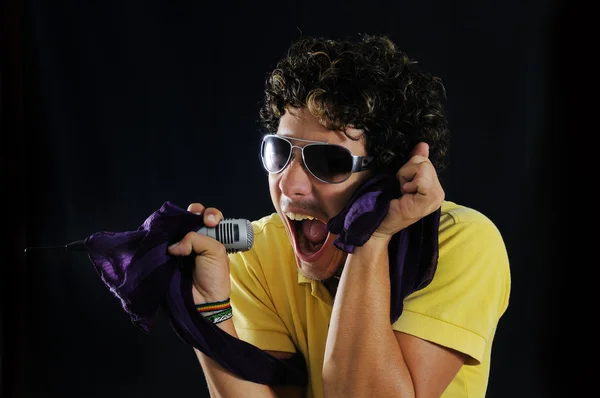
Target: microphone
(236,234)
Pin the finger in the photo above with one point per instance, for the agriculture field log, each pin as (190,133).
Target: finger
(421,149)
(196,208)
(411,170)
(419,186)
(199,244)
(417,159)
(212,216)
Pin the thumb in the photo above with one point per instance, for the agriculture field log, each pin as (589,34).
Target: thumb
(421,149)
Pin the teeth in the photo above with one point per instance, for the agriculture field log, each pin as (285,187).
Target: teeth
(299,217)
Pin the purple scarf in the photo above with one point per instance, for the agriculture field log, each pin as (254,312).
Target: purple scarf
(413,252)
(137,269)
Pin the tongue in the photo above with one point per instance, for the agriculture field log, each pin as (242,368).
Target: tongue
(314,230)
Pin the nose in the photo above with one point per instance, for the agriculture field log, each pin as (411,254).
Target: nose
(295,180)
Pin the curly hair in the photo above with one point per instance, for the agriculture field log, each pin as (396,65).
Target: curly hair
(367,84)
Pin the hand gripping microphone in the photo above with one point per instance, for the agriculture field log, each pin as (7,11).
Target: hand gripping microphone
(236,234)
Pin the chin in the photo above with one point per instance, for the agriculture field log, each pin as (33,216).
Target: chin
(328,263)
(310,272)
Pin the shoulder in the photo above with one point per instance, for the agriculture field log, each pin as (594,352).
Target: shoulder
(270,249)
(463,228)
(456,214)
(472,255)
(469,237)
(470,289)
(268,225)
(270,237)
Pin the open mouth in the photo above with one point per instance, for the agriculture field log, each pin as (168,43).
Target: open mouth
(310,235)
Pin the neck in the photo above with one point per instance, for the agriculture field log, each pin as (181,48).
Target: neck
(332,284)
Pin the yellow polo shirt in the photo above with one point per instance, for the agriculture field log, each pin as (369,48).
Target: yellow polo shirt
(278,309)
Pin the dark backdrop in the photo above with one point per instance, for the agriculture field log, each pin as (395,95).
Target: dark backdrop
(110,109)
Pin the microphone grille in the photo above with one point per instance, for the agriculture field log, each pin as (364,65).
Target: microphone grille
(235,234)
(225,232)
(250,234)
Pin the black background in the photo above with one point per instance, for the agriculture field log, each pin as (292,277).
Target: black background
(109,109)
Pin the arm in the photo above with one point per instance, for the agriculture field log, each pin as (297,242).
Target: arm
(364,355)
(222,383)
(211,284)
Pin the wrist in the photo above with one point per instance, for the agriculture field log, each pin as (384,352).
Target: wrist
(228,327)
(373,249)
(378,241)
(385,233)
(215,312)
(201,297)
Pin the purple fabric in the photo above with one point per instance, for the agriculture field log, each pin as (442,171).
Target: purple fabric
(137,269)
(413,252)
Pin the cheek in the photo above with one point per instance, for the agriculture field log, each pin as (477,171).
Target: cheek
(339,197)
(334,200)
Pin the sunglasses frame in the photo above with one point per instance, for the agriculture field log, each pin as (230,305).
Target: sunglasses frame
(359,163)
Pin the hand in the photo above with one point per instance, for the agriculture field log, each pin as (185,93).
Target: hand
(422,194)
(211,269)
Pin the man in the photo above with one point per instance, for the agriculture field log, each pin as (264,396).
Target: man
(295,291)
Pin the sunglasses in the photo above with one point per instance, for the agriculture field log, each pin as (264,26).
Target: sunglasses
(328,163)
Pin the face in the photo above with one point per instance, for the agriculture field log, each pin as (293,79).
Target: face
(296,193)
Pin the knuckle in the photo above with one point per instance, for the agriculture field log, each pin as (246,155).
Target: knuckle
(189,236)
(416,159)
(208,246)
(188,239)
(438,196)
(404,171)
(220,250)
(423,166)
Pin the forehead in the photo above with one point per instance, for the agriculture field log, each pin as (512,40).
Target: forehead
(300,123)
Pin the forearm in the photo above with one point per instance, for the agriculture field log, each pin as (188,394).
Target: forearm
(362,356)
(222,383)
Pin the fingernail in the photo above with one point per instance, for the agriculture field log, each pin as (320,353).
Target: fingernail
(211,218)
(173,245)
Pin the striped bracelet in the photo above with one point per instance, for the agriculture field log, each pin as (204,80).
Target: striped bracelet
(220,316)
(215,312)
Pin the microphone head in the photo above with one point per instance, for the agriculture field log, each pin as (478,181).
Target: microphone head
(236,234)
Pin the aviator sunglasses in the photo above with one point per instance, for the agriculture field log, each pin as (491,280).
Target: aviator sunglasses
(328,163)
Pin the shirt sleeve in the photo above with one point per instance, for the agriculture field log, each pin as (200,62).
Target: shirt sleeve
(255,318)
(469,292)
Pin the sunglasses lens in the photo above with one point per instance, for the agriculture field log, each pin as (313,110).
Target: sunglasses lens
(330,163)
(275,153)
